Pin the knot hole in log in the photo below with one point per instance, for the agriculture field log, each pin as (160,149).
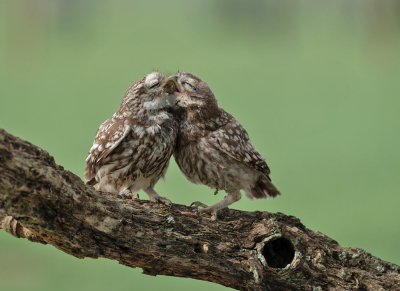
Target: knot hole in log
(278,253)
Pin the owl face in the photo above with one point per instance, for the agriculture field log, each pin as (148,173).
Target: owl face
(189,91)
(152,91)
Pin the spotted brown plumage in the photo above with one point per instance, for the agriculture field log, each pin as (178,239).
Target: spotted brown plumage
(132,149)
(213,148)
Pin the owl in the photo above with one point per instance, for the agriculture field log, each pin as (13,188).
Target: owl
(213,148)
(132,149)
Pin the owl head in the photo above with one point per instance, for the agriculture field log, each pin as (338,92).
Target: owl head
(148,93)
(188,93)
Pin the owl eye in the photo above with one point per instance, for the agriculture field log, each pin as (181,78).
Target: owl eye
(154,85)
(189,86)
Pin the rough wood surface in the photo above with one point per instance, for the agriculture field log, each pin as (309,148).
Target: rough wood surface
(41,201)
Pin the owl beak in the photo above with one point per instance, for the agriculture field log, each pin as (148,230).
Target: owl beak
(172,85)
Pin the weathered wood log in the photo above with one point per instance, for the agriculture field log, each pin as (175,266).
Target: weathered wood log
(41,201)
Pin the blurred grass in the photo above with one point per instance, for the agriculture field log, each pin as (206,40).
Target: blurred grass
(315,83)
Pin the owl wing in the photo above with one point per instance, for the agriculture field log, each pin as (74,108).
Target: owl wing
(233,140)
(108,137)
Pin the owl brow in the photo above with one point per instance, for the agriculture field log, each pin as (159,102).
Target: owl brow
(154,85)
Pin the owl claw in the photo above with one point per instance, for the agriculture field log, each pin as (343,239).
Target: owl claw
(125,196)
(204,209)
(198,204)
(163,200)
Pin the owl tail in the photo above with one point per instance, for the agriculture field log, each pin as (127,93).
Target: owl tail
(263,189)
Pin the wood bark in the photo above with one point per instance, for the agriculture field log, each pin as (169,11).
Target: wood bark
(42,202)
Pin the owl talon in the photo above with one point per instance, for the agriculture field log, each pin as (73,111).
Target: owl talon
(126,194)
(198,204)
(136,197)
(204,209)
(163,200)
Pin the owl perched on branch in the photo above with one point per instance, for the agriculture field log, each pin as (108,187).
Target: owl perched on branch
(213,148)
(132,149)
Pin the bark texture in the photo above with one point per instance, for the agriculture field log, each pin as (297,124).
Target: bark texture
(42,202)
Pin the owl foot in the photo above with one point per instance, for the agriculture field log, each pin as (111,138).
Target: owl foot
(163,200)
(205,209)
(198,204)
(127,194)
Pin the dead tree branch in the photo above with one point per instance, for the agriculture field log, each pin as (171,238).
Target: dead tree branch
(42,202)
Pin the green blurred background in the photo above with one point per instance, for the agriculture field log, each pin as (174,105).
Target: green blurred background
(315,83)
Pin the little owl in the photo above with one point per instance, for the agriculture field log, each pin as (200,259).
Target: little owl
(213,148)
(132,149)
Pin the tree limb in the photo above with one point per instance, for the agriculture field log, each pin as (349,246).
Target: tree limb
(41,201)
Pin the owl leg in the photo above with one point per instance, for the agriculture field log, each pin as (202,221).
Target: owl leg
(228,200)
(153,195)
